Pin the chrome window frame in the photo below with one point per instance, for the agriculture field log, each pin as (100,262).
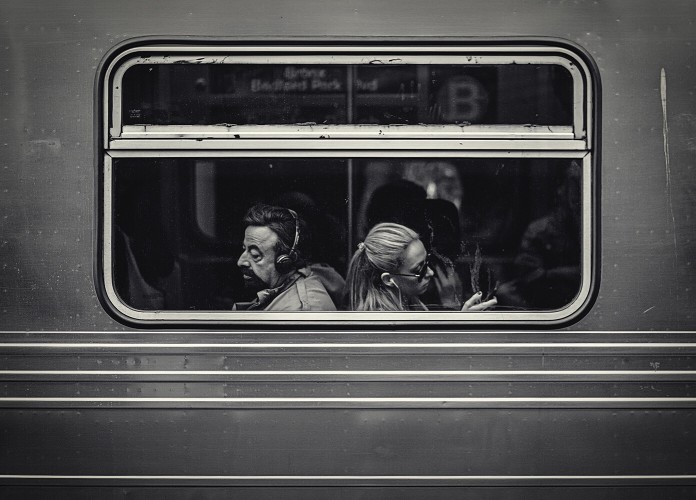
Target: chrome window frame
(578,141)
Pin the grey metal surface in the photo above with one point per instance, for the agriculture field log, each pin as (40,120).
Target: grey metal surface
(50,56)
(49,53)
(356,444)
(229,411)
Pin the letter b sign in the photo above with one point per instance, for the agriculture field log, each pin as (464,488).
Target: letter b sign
(463,99)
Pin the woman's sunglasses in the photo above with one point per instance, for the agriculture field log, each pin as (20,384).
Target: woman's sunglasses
(421,272)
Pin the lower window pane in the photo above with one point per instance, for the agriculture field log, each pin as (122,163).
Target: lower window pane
(509,228)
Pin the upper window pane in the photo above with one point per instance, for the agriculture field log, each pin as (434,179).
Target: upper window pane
(274,94)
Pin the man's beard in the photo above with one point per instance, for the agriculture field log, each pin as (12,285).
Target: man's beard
(252,281)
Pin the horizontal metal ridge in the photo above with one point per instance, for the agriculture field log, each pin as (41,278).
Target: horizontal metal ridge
(366,346)
(347,146)
(364,337)
(348,131)
(350,375)
(354,480)
(349,402)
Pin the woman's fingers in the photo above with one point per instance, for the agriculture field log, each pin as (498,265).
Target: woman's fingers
(475,304)
(483,305)
(475,299)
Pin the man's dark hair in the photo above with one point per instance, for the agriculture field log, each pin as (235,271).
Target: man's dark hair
(281,221)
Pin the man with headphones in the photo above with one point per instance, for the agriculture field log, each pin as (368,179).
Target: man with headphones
(272,263)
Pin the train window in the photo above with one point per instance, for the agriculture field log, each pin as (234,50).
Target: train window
(487,152)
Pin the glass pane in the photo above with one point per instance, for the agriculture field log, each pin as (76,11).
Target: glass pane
(181,94)
(508,227)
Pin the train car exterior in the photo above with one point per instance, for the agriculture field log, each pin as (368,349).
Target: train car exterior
(134,136)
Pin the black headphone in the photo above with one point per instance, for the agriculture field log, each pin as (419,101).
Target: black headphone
(285,261)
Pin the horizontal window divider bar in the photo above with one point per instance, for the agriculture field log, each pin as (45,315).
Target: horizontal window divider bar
(320,131)
(349,480)
(642,403)
(340,153)
(352,375)
(350,144)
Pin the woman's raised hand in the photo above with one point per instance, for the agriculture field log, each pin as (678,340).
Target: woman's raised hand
(475,304)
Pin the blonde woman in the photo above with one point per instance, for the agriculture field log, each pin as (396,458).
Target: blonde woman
(390,270)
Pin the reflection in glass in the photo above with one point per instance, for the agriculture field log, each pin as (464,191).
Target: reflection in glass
(508,227)
(241,94)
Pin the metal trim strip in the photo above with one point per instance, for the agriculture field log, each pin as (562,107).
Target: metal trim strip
(341,153)
(357,480)
(356,375)
(324,131)
(643,403)
(652,333)
(330,145)
(287,347)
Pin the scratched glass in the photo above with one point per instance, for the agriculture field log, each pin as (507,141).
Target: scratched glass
(243,94)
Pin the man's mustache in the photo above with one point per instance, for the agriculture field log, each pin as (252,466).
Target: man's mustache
(251,279)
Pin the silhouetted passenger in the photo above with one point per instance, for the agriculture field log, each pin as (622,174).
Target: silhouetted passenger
(401,202)
(548,264)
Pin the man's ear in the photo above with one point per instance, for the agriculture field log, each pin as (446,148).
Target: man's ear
(387,279)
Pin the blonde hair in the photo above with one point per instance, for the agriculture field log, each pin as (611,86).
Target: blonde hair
(382,251)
